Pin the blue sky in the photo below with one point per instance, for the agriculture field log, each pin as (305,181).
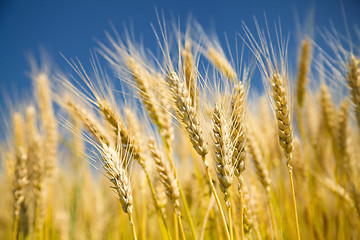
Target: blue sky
(70,27)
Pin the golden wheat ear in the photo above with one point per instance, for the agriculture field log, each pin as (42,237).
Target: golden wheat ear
(353,79)
(21,179)
(303,71)
(166,176)
(223,152)
(115,164)
(187,114)
(48,121)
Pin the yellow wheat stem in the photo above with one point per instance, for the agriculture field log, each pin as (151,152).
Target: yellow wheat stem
(213,190)
(294,201)
(182,233)
(144,218)
(131,220)
(182,195)
(273,221)
(230,222)
(16,227)
(242,233)
(157,206)
(176,226)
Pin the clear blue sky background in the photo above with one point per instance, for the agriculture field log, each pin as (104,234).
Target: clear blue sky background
(70,27)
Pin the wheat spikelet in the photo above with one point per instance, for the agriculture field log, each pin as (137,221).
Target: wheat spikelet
(223,152)
(238,128)
(48,121)
(353,79)
(283,115)
(221,63)
(303,70)
(166,177)
(187,113)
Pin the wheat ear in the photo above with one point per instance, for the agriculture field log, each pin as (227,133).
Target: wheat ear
(285,131)
(168,180)
(238,128)
(221,63)
(190,73)
(189,118)
(187,114)
(343,141)
(115,170)
(166,177)
(328,109)
(142,78)
(35,163)
(48,120)
(303,70)
(130,144)
(223,156)
(90,122)
(353,79)
(239,138)
(20,180)
(283,116)
(223,152)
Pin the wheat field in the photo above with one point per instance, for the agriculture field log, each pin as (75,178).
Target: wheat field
(177,144)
